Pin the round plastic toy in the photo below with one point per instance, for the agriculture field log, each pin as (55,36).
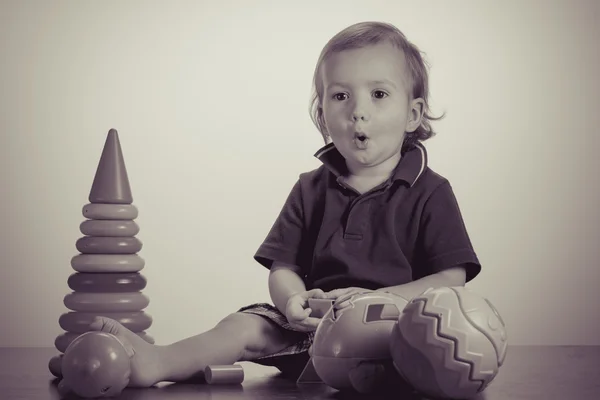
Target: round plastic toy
(79,322)
(96,364)
(107,263)
(54,365)
(351,344)
(98,302)
(108,245)
(449,343)
(97,227)
(116,282)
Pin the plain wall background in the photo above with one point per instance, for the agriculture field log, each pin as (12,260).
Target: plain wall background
(210,99)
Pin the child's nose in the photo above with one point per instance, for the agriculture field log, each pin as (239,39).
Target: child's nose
(360,111)
(359,115)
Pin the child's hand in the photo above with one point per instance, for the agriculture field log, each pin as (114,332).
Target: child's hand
(297,311)
(342,296)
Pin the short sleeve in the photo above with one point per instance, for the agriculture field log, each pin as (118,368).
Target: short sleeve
(443,240)
(284,240)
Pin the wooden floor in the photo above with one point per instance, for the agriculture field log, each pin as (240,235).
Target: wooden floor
(529,373)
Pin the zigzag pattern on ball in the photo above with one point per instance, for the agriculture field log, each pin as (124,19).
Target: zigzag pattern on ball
(500,352)
(461,352)
(427,314)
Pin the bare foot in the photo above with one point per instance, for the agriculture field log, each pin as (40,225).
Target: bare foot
(145,362)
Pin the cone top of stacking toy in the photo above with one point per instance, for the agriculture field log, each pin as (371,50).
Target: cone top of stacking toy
(111,183)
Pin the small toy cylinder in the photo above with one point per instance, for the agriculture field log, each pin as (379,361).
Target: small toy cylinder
(224,374)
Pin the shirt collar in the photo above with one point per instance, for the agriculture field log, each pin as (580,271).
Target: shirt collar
(411,166)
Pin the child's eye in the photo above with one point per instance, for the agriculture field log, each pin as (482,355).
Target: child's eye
(339,96)
(380,94)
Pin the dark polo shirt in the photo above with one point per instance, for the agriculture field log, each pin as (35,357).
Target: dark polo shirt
(406,228)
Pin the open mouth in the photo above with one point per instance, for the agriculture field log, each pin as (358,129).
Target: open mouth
(360,136)
(360,139)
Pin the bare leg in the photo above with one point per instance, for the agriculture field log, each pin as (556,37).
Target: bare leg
(238,337)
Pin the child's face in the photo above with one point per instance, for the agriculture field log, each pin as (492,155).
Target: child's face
(367,105)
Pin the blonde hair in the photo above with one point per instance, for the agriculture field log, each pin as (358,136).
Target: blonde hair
(370,33)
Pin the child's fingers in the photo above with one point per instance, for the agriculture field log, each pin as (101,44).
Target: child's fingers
(341,304)
(296,312)
(320,294)
(311,322)
(335,293)
(299,316)
(343,299)
(315,293)
(332,294)
(304,326)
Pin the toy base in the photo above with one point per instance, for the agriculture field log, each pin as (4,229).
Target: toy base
(309,374)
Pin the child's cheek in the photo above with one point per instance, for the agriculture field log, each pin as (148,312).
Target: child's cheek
(336,115)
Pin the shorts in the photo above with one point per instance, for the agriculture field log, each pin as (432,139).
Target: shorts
(291,360)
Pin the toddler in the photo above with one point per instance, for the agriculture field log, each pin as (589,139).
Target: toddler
(372,217)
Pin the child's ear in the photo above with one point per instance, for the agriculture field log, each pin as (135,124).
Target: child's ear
(321,121)
(415,114)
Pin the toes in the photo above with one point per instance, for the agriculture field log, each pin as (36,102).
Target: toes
(108,325)
(129,348)
(96,324)
(105,325)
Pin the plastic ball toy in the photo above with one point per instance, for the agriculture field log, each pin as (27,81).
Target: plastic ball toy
(94,365)
(449,343)
(351,344)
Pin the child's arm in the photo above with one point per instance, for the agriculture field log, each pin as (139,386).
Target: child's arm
(455,276)
(284,282)
(290,296)
(443,242)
